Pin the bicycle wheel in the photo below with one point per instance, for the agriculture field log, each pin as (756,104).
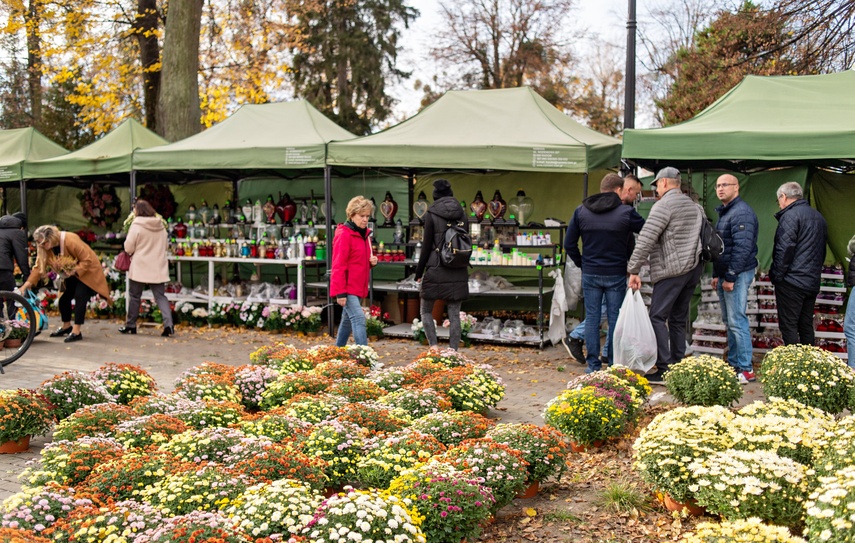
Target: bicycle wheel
(15,313)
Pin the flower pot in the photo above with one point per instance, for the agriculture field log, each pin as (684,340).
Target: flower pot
(581,447)
(530,491)
(11,343)
(11,447)
(374,338)
(690,506)
(313,333)
(423,341)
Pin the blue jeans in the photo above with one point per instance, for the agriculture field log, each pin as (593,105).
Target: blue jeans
(352,318)
(849,328)
(600,290)
(734,305)
(579,331)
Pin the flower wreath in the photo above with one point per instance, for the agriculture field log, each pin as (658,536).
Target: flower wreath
(100,205)
(160,198)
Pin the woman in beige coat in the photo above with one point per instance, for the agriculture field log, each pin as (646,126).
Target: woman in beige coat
(146,243)
(81,282)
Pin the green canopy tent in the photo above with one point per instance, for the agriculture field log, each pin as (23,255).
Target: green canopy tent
(762,122)
(803,124)
(19,145)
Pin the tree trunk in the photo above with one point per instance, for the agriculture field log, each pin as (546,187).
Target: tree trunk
(34,61)
(179,112)
(145,27)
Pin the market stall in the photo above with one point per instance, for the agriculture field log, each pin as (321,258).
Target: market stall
(16,147)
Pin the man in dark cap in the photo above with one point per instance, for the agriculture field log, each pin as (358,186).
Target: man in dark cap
(671,238)
(13,248)
(440,282)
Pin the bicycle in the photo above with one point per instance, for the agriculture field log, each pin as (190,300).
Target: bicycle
(15,312)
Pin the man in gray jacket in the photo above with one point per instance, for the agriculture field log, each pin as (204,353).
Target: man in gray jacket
(671,240)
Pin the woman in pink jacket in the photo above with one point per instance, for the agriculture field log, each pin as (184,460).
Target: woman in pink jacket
(146,243)
(352,260)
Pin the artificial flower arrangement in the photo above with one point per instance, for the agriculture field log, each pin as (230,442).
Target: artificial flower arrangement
(502,468)
(418,402)
(70,462)
(543,447)
(665,448)
(340,445)
(116,521)
(453,427)
(276,462)
(470,388)
(277,509)
(205,527)
(38,508)
(809,375)
(466,324)
(92,420)
(251,382)
(365,515)
(742,484)
(291,384)
(703,380)
(377,419)
(87,235)
(828,508)
(160,197)
(224,446)
(124,477)
(454,506)
(750,530)
(358,390)
(71,390)
(125,381)
(101,205)
(387,457)
(24,413)
(375,320)
(418,330)
(585,416)
(195,488)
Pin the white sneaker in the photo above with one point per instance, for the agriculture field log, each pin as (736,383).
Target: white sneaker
(741,378)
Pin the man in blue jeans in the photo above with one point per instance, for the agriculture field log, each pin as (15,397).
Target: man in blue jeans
(733,272)
(606,228)
(576,338)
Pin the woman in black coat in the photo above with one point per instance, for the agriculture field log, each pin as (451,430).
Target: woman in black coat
(439,282)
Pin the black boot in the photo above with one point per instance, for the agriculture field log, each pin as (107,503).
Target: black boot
(128,330)
(167,331)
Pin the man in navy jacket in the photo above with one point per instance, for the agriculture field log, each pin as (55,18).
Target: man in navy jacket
(606,227)
(797,263)
(734,271)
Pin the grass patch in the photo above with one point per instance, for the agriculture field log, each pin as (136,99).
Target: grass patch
(561,516)
(622,497)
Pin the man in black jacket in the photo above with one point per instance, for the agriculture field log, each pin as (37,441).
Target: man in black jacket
(797,260)
(606,227)
(13,248)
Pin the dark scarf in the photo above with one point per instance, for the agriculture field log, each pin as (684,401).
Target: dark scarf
(361,231)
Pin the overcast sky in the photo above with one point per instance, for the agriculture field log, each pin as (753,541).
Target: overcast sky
(603,18)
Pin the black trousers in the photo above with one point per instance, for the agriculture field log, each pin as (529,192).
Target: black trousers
(669,315)
(7,282)
(76,290)
(795,314)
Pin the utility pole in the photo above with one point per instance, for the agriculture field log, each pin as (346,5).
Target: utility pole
(629,81)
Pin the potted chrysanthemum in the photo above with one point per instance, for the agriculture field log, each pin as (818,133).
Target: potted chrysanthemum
(503,469)
(386,457)
(808,374)
(828,508)
(703,380)
(23,414)
(750,530)
(452,427)
(281,508)
(585,416)
(72,390)
(543,447)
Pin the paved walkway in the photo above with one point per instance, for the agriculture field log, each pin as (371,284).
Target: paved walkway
(532,377)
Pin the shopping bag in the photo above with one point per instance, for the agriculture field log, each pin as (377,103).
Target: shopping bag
(41,317)
(634,342)
(122,262)
(572,284)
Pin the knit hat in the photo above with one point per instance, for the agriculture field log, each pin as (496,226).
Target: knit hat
(441,187)
(666,173)
(21,216)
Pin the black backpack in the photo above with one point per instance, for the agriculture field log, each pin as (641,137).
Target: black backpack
(456,246)
(712,246)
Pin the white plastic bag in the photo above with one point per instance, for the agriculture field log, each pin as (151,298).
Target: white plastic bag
(572,284)
(634,340)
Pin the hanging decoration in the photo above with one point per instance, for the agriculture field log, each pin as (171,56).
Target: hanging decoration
(160,198)
(100,205)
